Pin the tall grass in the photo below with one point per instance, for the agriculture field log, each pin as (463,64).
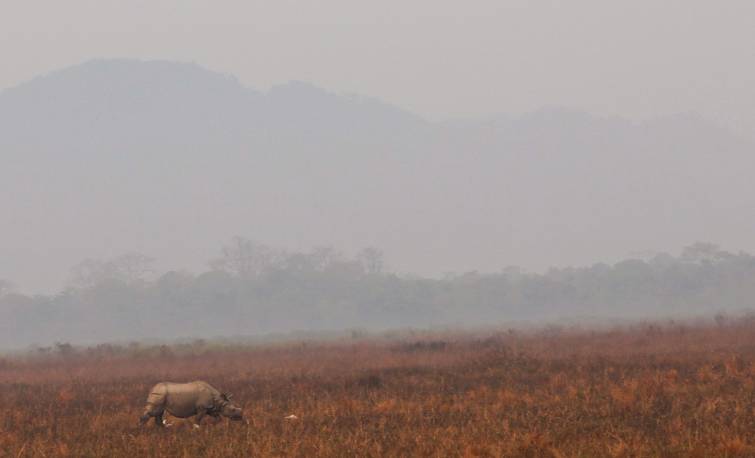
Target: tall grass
(649,390)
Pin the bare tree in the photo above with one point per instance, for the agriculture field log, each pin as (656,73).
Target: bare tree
(130,268)
(134,267)
(371,260)
(6,287)
(245,258)
(703,252)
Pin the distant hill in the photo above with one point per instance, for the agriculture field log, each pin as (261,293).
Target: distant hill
(110,101)
(171,159)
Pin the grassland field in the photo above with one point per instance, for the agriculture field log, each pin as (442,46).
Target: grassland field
(666,390)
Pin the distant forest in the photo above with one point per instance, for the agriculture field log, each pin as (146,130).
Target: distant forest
(252,289)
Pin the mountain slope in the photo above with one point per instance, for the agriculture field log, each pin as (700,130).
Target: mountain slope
(170,159)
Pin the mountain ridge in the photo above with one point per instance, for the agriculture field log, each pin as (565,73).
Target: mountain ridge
(109,157)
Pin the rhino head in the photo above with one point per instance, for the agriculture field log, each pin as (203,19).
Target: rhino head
(228,409)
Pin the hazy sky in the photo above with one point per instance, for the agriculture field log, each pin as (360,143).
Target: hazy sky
(438,58)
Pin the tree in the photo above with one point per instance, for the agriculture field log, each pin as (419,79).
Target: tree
(371,260)
(6,287)
(703,252)
(130,268)
(319,259)
(134,267)
(247,259)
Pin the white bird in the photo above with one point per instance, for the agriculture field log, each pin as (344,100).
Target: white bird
(291,417)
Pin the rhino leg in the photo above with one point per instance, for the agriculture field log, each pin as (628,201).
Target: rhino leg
(201,412)
(152,411)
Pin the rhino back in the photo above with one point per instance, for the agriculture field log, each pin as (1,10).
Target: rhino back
(183,399)
(210,390)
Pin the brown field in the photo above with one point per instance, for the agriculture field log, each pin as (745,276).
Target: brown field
(647,390)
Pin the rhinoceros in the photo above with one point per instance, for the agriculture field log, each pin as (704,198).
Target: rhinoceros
(184,400)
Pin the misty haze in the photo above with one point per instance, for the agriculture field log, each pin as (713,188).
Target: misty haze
(164,164)
(498,228)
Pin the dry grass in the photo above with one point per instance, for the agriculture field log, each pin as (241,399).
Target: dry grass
(645,391)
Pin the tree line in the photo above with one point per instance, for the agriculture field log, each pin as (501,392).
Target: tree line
(254,289)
